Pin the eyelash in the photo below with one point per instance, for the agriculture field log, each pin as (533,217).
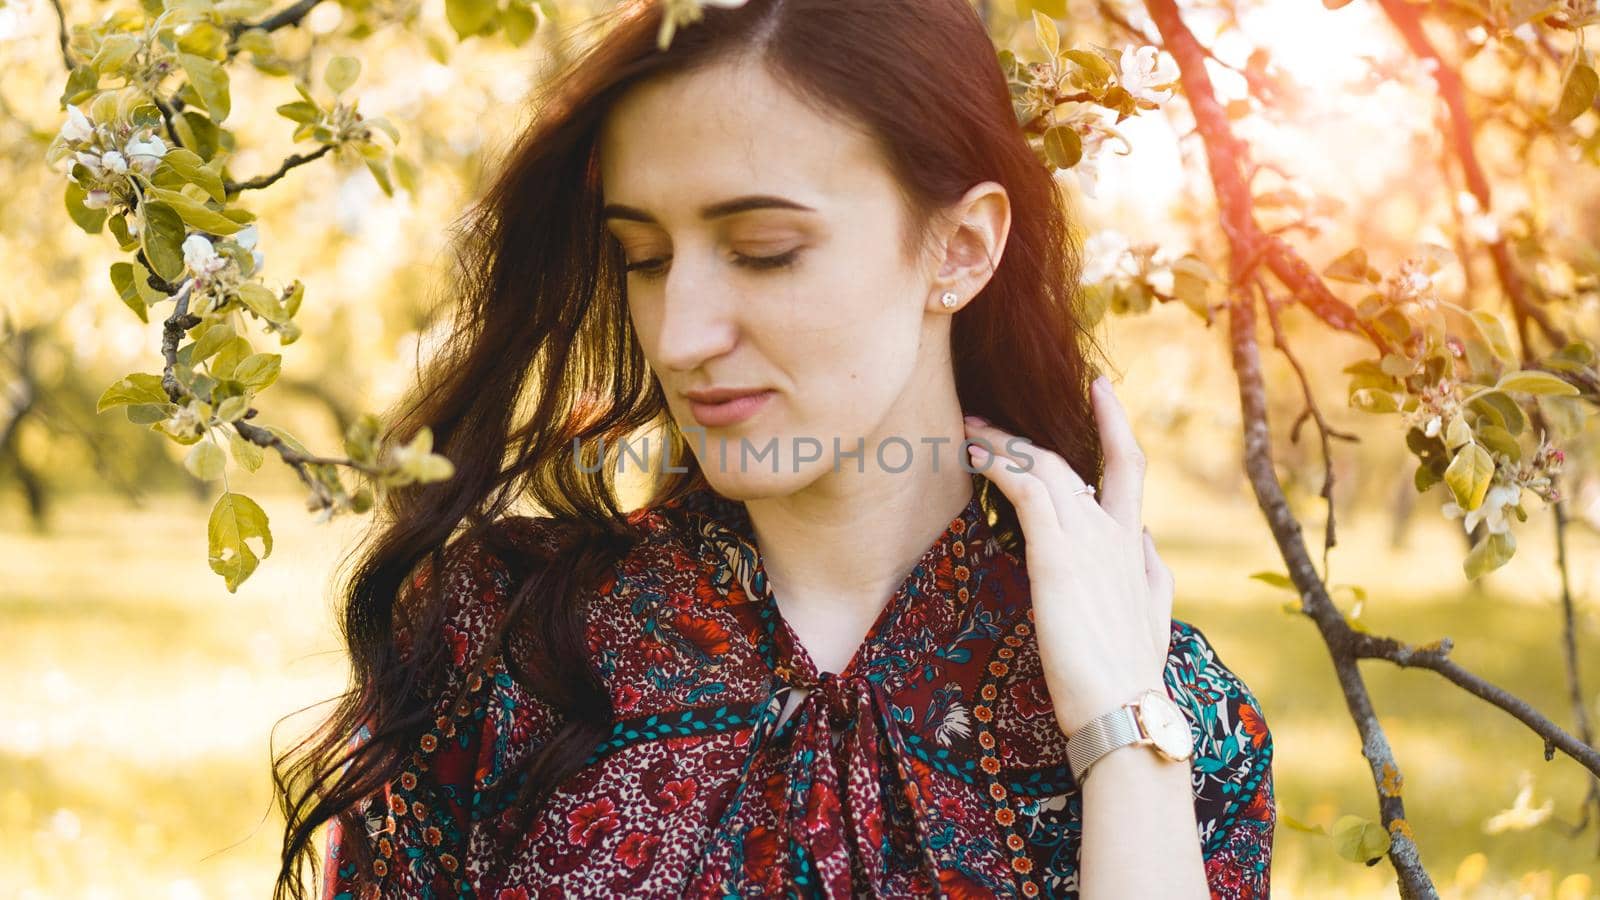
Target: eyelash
(759,263)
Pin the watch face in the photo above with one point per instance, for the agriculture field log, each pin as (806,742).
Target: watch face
(1166,725)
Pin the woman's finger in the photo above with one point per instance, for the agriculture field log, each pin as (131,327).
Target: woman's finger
(1122,486)
(1160,579)
(1036,511)
(1062,482)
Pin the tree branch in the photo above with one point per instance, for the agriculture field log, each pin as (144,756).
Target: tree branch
(61,35)
(261,181)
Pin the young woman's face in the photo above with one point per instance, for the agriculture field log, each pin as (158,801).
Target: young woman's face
(764,249)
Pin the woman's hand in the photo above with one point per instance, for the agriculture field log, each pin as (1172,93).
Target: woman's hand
(1102,598)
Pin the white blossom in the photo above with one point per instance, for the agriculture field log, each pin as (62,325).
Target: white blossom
(77,127)
(201,257)
(1492,511)
(114,162)
(1142,77)
(90,161)
(97,199)
(146,153)
(1105,253)
(1479,224)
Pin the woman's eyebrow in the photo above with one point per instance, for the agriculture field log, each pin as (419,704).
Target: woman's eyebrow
(713,211)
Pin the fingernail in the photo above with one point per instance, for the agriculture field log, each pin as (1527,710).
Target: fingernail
(976,420)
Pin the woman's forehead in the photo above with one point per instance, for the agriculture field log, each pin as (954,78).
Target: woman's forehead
(728,131)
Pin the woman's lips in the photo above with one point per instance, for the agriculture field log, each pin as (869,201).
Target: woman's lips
(729,412)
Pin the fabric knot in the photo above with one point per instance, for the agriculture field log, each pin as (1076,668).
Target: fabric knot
(841,697)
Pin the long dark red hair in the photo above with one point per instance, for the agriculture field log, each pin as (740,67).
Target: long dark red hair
(542,352)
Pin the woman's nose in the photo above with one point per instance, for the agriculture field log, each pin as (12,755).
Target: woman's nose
(697,320)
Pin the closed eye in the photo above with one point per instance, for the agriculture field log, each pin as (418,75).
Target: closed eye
(656,266)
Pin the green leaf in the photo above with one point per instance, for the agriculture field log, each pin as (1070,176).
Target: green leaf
(149,413)
(1577,93)
(82,83)
(1494,332)
(233,408)
(204,39)
(258,371)
(198,215)
(288,439)
(261,301)
(1469,475)
(229,356)
(1501,409)
(136,388)
(361,438)
(1298,825)
(300,111)
(212,340)
(1533,381)
(189,166)
(519,24)
(1359,840)
(1424,477)
(468,17)
(163,235)
(1063,146)
(342,72)
(210,82)
(247,454)
(234,521)
(381,173)
(114,53)
(124,279)
(1045,31)
(1500,441)
(1494,551)
(206,461)
(1373,400)
(1276,579)
(90,220)
(1094,66)
(1351,267)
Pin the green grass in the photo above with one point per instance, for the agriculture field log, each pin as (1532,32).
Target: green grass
(142,694)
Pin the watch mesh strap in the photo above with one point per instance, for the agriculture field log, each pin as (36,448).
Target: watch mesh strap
(1100,736)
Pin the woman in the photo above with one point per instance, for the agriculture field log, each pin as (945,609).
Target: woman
(892,669)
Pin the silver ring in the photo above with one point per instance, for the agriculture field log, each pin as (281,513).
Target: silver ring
(1086,489)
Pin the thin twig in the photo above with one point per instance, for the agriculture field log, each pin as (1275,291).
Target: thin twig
(261,181)
(61,35)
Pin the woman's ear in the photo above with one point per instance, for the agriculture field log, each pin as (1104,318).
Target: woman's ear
(973,241)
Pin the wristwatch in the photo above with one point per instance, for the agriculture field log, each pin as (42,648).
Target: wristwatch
(1151,719)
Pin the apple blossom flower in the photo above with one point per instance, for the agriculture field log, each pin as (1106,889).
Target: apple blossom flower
(1479,224)
(1105,253)
(91,161)
(145,153)
(201,257)
(1142,77)
(77,128)
(114,162)
(1492,511)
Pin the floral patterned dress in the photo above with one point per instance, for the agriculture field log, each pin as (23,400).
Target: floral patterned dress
(931,765)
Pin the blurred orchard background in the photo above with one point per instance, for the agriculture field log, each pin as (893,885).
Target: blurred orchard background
(142,693)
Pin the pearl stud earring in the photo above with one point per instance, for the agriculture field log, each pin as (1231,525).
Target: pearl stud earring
(949,299)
